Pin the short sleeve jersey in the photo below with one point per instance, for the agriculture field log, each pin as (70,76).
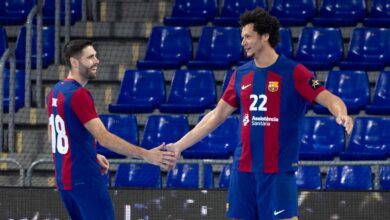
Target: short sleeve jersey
(272,102)
(70,106)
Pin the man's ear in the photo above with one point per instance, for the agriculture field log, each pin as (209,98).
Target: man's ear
(74,62)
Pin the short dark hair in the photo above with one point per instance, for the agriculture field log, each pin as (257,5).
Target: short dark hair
(263,23)
(74,47)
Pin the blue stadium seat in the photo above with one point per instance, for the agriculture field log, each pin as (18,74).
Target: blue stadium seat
(379,14)
(218,48)
(141,91)
(380,104)
(339,13)
(192,91)
(369,139)
(320,48)
(168,48)
(15,12)
(308,177)
(192,12)
(19,89)
(349,178)
(285,45)
(226,80)
(232,9)
(368,50)
(48,12)
(47,47)
(224,176)
(187,176)
(293,12)
(124,126)
(219,144)
(384,178)
(322,139)
(351,86)
(3,41)
(138,175)
(164,129)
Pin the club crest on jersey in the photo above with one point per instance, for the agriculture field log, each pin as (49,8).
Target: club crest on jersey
(273,86)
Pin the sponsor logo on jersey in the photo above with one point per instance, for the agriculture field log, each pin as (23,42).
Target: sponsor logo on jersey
(314,83)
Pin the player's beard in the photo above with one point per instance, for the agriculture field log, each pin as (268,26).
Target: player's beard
(86,72)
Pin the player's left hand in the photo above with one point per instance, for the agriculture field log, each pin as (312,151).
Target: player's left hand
(345,121)
(103,162)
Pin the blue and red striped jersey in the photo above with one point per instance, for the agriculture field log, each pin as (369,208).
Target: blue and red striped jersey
(70,106)
(272,102)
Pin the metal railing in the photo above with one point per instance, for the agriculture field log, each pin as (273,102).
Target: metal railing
(20,167)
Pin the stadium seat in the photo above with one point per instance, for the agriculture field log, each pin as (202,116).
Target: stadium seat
(218,48)
(124,126)
(3,41)
(141,91)
(320,48)
(285,45)
(47,47)
(351,86)
(19,89)
(187,176)
(384,178)
(308,178)
(15,12)
(192,91)
(48,12)
(224,176)
(164,129)
(226,80)
(219,144)
(168,48)
(380,104)
(339,13)
(293,12)
(192,12)
(322,139)
(379,14)
(349,178)
(138,175)
(369,139)
(368,50)
(232,9)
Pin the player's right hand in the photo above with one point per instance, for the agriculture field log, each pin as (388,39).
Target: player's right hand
(159,156)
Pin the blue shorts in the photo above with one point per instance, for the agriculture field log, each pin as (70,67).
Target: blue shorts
(262,196)
(94,203)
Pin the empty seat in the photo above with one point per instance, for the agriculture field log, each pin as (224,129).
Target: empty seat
(164,129)
(124,126)
(285,45)
(294,13)
(320,48)
(349,178)
(187,176)
(379,14)
(380,104)
(141,91)
(168,48)
(370,139)
(192,12)
(219,144)
(384,178)
(368,49)
(338,13)
(47,47)
(15,12)
(308,177)
(138,175)
(322,139)
(232,9)
(3,41)
(224,176)
(19,89)
(192,91)
(48,11)
(218,48)
(351,86)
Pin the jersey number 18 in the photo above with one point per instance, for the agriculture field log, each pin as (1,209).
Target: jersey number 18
(59,138)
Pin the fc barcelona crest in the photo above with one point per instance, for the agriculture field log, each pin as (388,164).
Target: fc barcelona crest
(273,86)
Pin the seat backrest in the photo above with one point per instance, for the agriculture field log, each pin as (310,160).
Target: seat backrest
(19,84)
(343,8)
(320,44)
(124,126)
(234,8)
(305,9)
(75,9)
(169,43)
(3,41)
(382,89)
(195,8)
(164,129)
(142,86)
(193,87)
(380,9)
(138,175)
(384,178)
(224,176)
(349,178)
(308,177)
(187,176)
(16,9)
(219,44)
(285,45)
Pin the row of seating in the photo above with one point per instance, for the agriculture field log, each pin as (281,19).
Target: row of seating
(322,137)
(194,91)
(331,13)
(308,177)
(220,48)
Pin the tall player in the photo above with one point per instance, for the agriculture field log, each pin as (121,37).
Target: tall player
(271,92)
(73,127)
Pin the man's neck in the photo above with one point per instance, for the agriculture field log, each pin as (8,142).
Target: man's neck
(78,78)
(266,58)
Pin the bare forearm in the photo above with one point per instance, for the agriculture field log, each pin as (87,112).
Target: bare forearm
(120,146)
(337,107)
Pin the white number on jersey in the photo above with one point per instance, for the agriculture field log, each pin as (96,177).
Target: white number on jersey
(59,138)
(258,102)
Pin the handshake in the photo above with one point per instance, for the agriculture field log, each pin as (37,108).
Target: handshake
(164,156)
